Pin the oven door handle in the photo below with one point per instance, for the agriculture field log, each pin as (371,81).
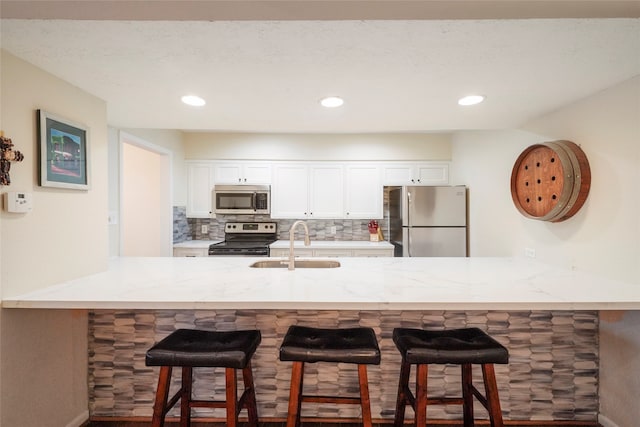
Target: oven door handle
(254,201)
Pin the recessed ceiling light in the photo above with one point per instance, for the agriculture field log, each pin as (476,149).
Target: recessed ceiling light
(471,100)
(332,101)
(193,100)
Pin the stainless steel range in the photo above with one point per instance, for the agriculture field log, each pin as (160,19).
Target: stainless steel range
(246,239)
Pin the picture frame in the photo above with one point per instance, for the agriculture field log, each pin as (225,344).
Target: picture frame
(64,152)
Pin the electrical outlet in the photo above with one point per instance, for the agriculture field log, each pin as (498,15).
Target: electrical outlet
(204,228)
(530,252)
(333,229)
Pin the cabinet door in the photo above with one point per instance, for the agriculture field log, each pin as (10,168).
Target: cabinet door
(256,173)
(290,191)
(332,253)
(398,174)
(278,253)
(190,252)
(199,187)
(433,173)
(228,173)
(327,191)
(363,196)
(373,252)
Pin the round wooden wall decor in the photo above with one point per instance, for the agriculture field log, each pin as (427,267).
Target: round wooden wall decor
(550,181)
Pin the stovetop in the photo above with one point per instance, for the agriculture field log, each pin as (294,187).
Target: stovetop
(246,238)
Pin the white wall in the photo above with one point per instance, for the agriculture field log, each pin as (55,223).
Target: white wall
(43,353)
(247,146)
(603,237)
(482,160)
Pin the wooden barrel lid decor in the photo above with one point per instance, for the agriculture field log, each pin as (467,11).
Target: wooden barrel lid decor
(550,181)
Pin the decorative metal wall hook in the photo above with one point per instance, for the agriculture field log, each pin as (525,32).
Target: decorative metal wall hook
(7,155)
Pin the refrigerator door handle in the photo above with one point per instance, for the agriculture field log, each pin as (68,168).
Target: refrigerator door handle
(409,223)
(409,208)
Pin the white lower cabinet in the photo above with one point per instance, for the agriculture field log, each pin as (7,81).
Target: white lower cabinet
(334,252)
(190,252)
(372,252)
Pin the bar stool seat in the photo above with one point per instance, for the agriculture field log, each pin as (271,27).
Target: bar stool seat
(465,347)
(189,348)
(303,344)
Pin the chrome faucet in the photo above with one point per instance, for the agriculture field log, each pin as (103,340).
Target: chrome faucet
(307,241)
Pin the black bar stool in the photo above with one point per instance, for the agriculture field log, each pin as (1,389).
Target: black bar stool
(309,345)
(189,348)
(463,347)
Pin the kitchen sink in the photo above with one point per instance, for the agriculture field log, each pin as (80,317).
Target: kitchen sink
(299,263)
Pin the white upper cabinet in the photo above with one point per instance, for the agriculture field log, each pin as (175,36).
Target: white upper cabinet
(290,191)
(307,190)
(326,194)
(199,189)
(302,190)
(363,191)
(242,172)
(422,173)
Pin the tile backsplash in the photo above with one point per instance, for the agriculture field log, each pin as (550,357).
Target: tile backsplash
(320,229)
(181,229)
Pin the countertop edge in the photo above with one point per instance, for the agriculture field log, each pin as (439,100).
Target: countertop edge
(296,305)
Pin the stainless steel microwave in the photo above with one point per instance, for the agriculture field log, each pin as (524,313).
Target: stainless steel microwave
(242,199)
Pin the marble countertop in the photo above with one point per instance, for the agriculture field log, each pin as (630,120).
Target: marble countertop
(195,244)
(332,244)
(385,283)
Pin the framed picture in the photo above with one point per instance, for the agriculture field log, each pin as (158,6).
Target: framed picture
(64,153)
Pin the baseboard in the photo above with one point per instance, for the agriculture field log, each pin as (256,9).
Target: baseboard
(606,422)
(80,420)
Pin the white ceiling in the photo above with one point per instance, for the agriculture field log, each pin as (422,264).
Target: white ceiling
(268,76)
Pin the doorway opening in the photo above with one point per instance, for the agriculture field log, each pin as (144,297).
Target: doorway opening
(146,215)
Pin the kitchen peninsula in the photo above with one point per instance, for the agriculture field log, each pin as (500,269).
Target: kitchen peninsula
(546,316)
(358,284)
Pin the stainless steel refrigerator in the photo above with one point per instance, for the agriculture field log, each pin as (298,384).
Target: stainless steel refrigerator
(428,221)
